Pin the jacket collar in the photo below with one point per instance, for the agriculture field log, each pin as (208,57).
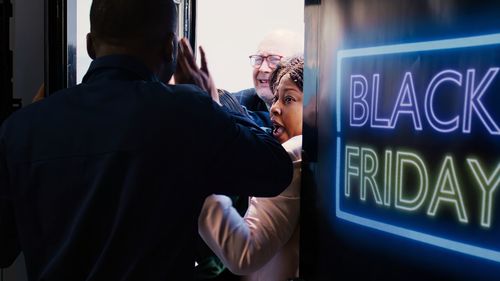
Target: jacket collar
(119,66)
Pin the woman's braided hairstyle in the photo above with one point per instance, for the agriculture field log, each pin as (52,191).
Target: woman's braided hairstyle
(294,67)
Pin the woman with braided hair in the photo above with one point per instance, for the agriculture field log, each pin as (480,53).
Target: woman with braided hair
(264,244)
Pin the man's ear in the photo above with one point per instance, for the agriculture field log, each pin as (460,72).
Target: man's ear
(90,46)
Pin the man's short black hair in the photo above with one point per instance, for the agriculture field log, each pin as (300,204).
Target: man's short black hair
(121,22)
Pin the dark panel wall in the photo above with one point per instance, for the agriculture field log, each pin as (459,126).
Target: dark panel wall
(28,48)
(26,41)
(338,246)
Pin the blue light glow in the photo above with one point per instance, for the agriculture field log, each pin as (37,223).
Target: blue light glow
(422,237)
(472,104)
(339,63)
(406,102)
(446,44)
(337,178)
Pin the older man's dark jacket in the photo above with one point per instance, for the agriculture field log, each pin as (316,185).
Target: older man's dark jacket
(257,109)
(105,180)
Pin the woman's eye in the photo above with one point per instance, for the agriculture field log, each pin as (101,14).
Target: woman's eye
(288,99)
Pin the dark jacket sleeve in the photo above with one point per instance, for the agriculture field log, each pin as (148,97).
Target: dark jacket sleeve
(9,246)
(248,160)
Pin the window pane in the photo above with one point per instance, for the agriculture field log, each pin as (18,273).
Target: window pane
(230,31)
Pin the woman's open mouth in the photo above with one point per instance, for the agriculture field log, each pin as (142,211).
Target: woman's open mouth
(278,130)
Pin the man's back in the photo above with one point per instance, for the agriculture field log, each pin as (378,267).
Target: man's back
(105,180)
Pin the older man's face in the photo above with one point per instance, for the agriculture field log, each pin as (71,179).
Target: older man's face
(264,63)
(276,46)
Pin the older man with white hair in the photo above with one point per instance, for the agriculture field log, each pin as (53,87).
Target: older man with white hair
(275,46)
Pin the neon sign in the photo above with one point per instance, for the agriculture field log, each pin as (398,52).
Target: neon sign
(406,103)
(414,122)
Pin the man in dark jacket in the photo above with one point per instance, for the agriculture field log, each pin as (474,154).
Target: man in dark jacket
(105,180)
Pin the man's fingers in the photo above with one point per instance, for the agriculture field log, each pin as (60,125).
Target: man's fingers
(184,60)
(188,54)
(204,66)
(181,72)
(184,74)
(190,73)
(185,43)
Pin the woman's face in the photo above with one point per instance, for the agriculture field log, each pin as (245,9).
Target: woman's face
(286,110)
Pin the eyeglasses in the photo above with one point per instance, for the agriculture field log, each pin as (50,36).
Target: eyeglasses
(272,60)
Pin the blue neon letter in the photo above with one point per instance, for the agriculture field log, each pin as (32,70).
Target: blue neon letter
(359,89)
(436,123)
(473,103)
(407,103)
(376,122)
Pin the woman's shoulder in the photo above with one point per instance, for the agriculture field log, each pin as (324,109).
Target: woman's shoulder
(294,147)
